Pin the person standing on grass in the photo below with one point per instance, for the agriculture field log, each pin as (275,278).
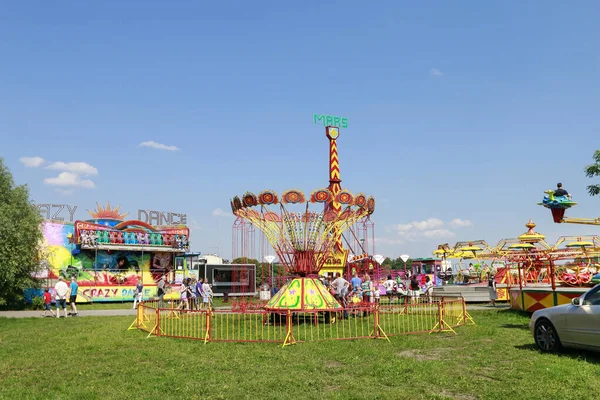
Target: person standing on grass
(161,290)
(183,296)
(138,293)
(199,293)
(376,293)
(61,289)
(356,281)
(341,287)
(73,298)
(390,288)
(47,303)
(492,290)
(191,284)
(428,289)
(367,289)
(414,289)
(207,295)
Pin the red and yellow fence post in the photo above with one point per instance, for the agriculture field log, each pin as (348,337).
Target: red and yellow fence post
(208,319)
(289,337)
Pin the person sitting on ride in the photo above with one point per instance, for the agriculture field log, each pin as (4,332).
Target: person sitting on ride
(561,192)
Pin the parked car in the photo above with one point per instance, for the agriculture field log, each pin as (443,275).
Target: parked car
(575,325)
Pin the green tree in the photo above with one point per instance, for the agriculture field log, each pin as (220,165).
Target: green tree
(388,263)
(20,240)
(592,171)
(245,260)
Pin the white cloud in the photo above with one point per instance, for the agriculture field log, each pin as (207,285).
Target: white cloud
(421,230)
(32,162)
(70,179)
(194,225)
(435,72)
(81,168)
(158,146)
(65,192)
(217,212)
(460,223)
(385,240)
(438,233)
(428,224)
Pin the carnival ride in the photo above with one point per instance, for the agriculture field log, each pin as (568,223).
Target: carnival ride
(530,263)
(584,248)
(304,239)
(474,250)
(352,252)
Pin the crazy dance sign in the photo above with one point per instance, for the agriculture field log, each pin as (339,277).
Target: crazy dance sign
(55,212)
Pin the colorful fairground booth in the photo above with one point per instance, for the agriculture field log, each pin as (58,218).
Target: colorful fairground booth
(428,267)
(108,254)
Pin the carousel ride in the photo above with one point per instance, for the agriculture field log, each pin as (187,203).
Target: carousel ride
(304,233)
(473,251)
(531,267)
(529,260)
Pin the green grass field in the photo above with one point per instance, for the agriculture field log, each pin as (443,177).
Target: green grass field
(97,358)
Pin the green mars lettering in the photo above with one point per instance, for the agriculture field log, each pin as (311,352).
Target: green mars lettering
(330,120)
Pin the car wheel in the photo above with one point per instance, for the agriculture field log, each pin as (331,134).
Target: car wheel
(546,337)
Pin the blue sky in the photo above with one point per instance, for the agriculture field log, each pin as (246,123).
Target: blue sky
(461,110)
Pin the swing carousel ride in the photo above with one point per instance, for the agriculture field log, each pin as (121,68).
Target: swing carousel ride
(307,233)
(303,237)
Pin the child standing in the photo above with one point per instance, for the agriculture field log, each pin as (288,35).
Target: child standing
(47,304)
(428,288)
(206,295)
(138,293)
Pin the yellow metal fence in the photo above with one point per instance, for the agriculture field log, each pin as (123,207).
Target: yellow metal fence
(353,322)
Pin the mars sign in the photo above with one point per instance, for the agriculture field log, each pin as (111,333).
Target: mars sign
(330,120)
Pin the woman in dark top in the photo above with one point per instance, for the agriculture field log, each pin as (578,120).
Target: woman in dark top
(414,288)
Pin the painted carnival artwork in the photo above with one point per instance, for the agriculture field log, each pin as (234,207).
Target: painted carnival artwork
(108,254)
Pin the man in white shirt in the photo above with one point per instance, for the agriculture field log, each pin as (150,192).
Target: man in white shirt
(390,288)
(61,290)
(341,287)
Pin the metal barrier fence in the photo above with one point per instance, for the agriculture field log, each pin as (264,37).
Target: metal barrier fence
(355,321)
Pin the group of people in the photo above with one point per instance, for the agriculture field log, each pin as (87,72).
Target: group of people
(366,291)
(61,291)
(191,292)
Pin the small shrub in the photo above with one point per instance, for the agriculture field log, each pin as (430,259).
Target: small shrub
(37,303)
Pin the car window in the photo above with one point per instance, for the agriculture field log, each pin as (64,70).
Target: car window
(593,297)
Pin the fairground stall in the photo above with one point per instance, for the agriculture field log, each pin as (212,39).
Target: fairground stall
(108,254)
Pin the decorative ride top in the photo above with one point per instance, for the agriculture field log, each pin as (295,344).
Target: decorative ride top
(302,239)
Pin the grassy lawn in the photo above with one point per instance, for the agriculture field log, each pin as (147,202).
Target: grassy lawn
(96,357)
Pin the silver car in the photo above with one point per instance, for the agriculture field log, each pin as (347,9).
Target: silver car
(571,325)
